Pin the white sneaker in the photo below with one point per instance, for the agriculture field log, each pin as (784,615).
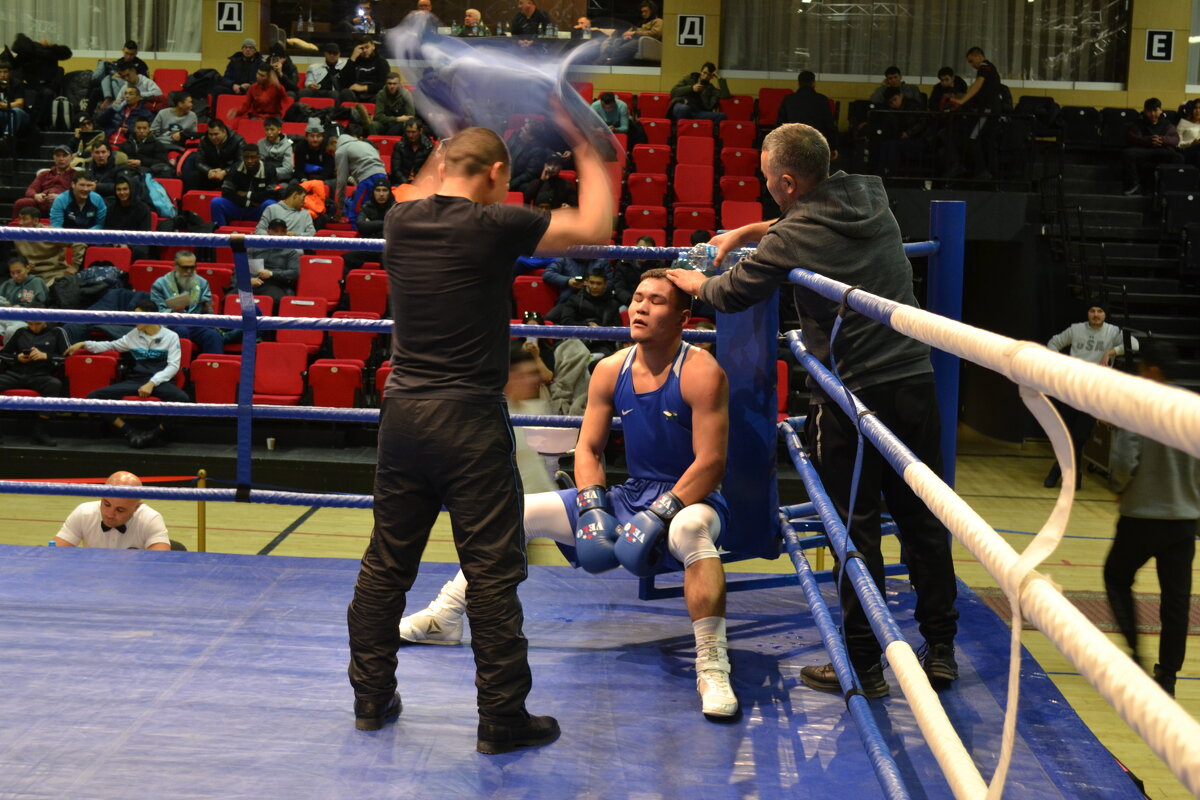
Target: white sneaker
(441,622)
(712,682)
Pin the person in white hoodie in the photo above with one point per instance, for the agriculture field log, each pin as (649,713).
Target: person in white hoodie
(1098,342)
(358,159)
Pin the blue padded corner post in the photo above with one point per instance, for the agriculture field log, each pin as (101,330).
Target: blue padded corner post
(746,348)
(947,227)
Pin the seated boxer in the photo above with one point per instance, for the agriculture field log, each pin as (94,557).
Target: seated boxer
(673,402)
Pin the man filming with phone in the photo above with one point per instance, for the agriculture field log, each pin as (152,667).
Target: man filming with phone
(698,94)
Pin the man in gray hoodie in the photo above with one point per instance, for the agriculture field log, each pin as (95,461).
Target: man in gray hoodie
(359,159)
(840,226)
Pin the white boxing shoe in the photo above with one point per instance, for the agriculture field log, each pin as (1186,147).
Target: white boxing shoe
(712,682)
(441,622)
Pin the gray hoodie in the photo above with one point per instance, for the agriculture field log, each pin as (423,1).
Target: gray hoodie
(1155,481)
(844,230)
(357,158)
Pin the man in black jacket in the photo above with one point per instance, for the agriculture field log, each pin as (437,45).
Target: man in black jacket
(146,153)
(364,74)
(411,154)
(219,152)
(242,69)
(246,190)
(596,306)
(29,359)
(809,106)
(36,65)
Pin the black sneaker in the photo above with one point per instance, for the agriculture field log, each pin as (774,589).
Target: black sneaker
(1165,678)
(370,715)
(824,679)
(495,738)
(939,663)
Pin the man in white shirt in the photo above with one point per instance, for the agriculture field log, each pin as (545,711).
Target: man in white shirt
(115,522)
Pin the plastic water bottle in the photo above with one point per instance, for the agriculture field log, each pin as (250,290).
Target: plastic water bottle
(701,257)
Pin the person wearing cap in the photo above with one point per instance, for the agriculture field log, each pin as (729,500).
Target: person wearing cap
(48,184)
(314,161)
(1152,140)
(365,72)
(242,69)
(173,126)
(322,77)
(247,189)
(14,119)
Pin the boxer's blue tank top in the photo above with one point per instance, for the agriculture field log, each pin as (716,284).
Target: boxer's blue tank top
(657,424)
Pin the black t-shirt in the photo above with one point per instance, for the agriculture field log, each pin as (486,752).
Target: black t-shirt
(449,264)
(11,92)
(988,98)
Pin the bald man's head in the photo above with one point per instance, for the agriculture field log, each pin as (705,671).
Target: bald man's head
(115,511)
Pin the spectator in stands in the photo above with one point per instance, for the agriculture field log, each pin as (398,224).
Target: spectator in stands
(1152,140)
(809,106)
(898,136)
(322,77)
(473,24)
(313,159)
(365,72)
(527,378)
(86,137)
(528,151)
(893,79)
(79,209)
(696,96)
(182,291)
(363,20)
(36,64)
(597,306)
(284,70)
(115,522)
(220,151)
(128,212)
(173,126)
(1189,132)
(949,85)
(356,158)
(281,265)
(45,259)
(156,356)
(31,356)
(129,55)
(264,97)
(983,96)
(393,108)
(550,190)
(103,167)
(48,184)
(128,76)
(22,289)
(529,21)
(409,155)
(275,149)
(111,85)
(291,211)
(145,153)
(14,119)
(565,275)
(627,274)
(614,111)
(247,189)
(372,212)
(242,70)
(619,49)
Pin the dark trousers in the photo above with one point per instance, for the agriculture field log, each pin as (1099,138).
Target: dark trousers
(1171,543)
(167,392)
(909,410)
(1139,162)
(1079,425)
(45,385)
(462,455)
(207,340)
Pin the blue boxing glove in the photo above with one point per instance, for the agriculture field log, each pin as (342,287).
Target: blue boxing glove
(639,548)
(596,532)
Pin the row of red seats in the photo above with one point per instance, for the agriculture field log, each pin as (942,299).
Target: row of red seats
(738,107)
(658,158)
(734,214)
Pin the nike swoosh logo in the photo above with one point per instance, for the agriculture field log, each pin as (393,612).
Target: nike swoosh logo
(627,411)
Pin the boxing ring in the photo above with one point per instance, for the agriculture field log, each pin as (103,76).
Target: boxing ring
(190,674)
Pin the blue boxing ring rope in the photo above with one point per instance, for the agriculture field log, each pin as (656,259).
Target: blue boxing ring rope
(786,523)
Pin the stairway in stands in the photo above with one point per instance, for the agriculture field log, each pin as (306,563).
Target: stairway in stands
(1115,247)
(17,173)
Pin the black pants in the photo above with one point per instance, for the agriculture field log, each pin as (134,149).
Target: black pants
(167,392)
(1171,543)
(45,385)
(1138,164)
(1079,425)
(909,410)
(435,452)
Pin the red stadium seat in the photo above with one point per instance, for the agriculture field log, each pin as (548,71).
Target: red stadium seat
(693,184)
(321,276)
(769,101)
(87,372)
(653,104)
(225,104)
(694,150)
(301,306)
(652,158)
(233,304)
(199,201)
(250,129)
(354,344)
(781,388)
(279,373)
(740,187)
(647,188)
(693,218)
(295,128)
(142,274)
(335,383)
(629,236)
(514,199)
(736,213)
(738,107)
(739,161)
(385,145)
(586,90)
(173,187)
(682,237)
(627,97)
(694,127)
(367,290)
(736,133)
(381,376)
(215,378)
(657,130)
(170,80)
(533,294)
(119,257)
(645,216)
(186,347)
(319,102)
